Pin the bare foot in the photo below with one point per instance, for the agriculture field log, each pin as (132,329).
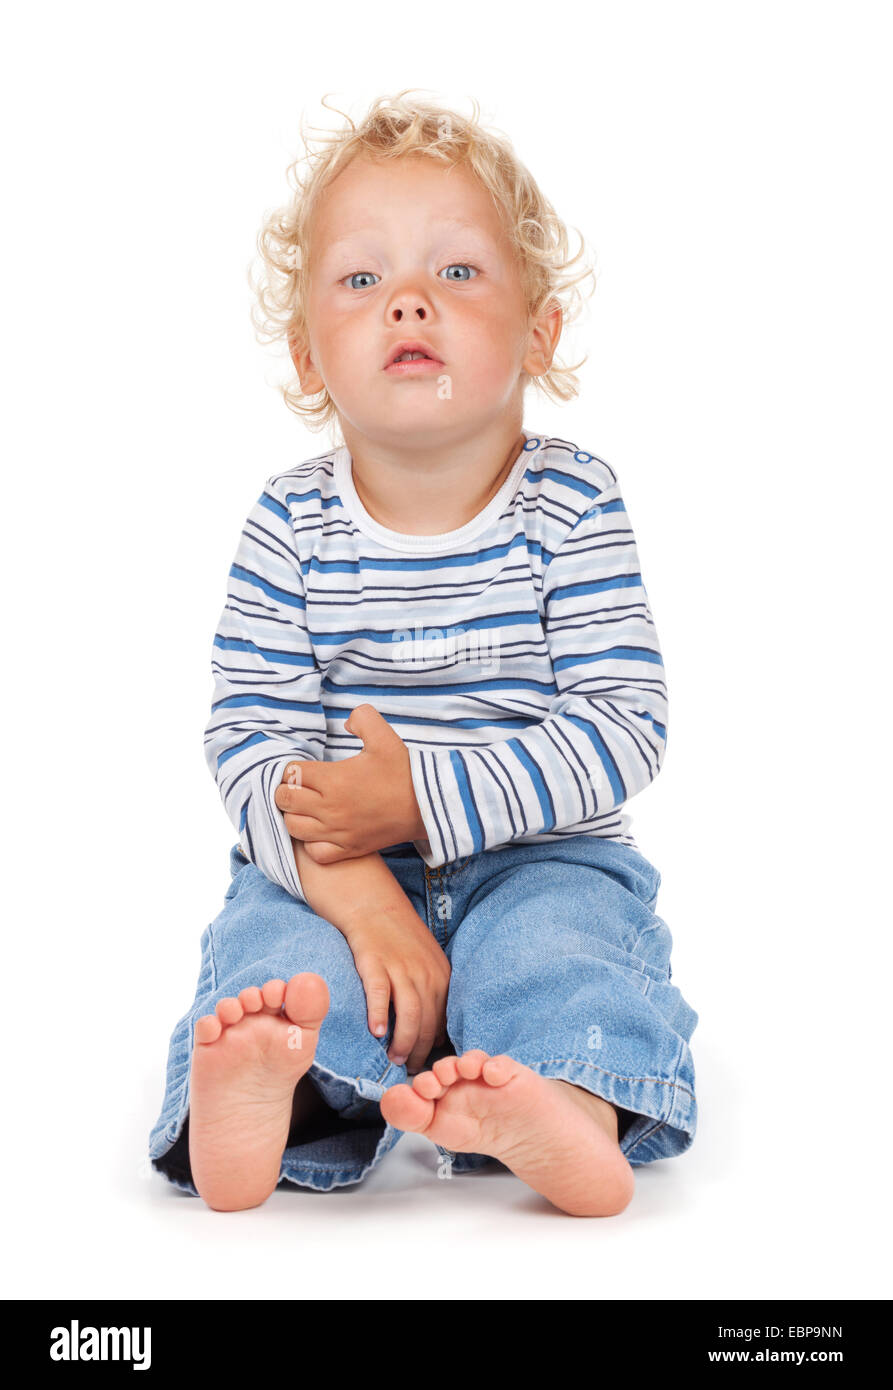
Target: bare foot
(562,1145)
(247,1060)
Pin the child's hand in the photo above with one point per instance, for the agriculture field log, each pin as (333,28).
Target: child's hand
(365,803)
(399,961)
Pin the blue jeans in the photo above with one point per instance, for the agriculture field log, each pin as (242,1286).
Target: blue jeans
(557,959)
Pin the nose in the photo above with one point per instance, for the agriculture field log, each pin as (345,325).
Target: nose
(409,304)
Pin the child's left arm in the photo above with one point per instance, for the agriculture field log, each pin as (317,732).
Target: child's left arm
(604,737)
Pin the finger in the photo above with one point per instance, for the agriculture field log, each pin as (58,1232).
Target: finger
(299,800)
(325,852)
(408,1008)
(431,1019)
(427,1032)
(440,1007)
(307,827)
(300,775)
(378,993)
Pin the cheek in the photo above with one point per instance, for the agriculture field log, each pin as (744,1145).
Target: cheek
(493,344)
(491,368)
(342,360)
(337,338)
(492,377)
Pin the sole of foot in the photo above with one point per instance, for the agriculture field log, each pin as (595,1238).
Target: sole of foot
(247,1059)
(561,1144)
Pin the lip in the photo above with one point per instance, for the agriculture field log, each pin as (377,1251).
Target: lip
(423,366)
(411,345)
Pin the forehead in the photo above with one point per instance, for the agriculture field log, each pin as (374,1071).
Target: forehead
(370,196)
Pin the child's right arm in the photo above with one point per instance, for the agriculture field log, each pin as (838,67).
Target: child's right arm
(394,952)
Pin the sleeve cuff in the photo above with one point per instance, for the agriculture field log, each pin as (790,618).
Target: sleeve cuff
(272,840)
(431,846)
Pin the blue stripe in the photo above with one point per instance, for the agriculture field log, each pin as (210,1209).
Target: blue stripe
(660,729)
(273,505)
(468,802)
(561,663)
(547,805)
(569,480)
(263,700)
(596,586)
(239,644)
(604,754)
(240,747)
(273,590)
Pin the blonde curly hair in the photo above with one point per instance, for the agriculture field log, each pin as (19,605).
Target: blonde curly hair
(394,127)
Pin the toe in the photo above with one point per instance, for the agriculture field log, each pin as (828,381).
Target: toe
(403,1108)
(274,995)
(471,1063)
(306,1000)
(251,999)
(208,1029)
(229,1011)
(497,1071)
(446,1070)
(427,1085)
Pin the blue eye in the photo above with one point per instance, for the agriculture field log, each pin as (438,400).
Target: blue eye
(370,275)
(461,265)
(358,274)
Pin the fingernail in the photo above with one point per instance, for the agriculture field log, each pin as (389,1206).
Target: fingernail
(379,1030)
(398,1061)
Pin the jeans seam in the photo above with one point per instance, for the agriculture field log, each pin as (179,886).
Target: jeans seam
(442,889)
(212,959)
(649,1132)
(654,1080)
(647,1135)
(429,909)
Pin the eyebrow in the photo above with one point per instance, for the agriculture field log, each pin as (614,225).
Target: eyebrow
(446,227)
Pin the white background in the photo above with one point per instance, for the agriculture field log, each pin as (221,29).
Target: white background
(728,165)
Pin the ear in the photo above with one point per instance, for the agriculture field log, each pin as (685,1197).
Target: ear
(545,330)
(299,349)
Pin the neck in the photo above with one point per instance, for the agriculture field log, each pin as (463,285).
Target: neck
(427,491)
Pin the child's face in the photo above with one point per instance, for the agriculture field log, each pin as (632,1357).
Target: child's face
(386,241)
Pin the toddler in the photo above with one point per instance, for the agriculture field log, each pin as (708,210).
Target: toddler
(437,683)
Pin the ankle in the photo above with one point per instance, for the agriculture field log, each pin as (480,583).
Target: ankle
(609,1117)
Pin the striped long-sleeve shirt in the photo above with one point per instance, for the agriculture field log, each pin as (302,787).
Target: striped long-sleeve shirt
(516,657)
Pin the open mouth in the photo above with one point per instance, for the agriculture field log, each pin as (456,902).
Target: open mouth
(411,355)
